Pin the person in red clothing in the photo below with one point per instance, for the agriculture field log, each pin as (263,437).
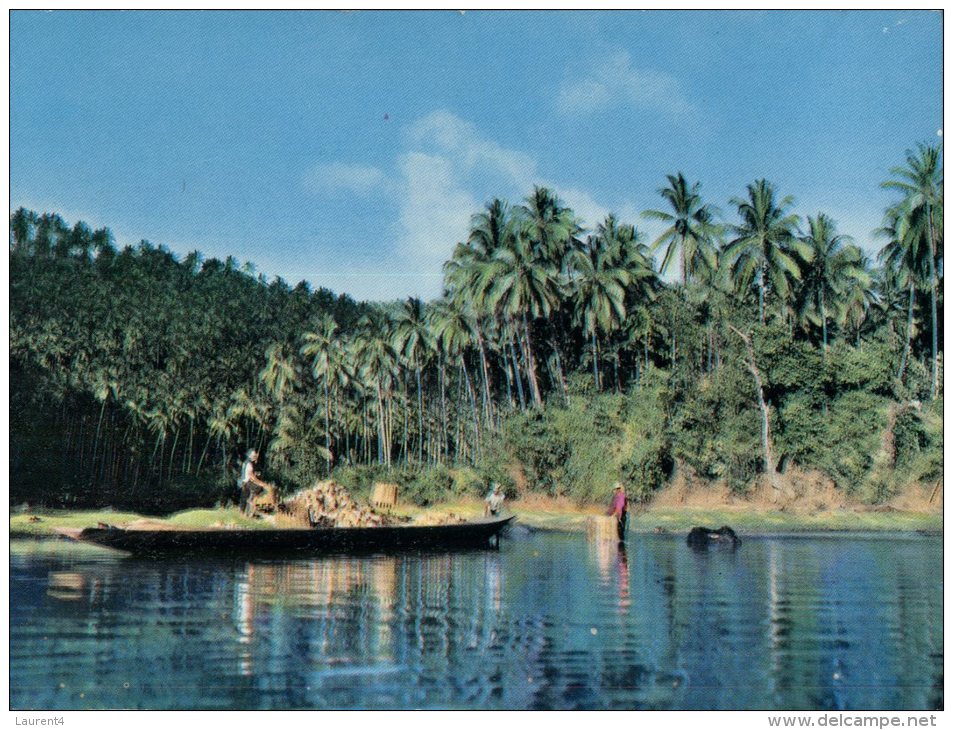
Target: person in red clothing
(618,509)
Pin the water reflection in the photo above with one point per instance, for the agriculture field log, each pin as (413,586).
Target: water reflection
(551,621)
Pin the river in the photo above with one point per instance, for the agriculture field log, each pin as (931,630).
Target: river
(548,621)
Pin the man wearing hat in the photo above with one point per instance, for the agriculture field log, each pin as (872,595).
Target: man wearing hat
(494,501)
(618,510)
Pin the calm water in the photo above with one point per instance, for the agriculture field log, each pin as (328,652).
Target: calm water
(548,621)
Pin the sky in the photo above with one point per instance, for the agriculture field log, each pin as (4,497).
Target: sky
(350,149)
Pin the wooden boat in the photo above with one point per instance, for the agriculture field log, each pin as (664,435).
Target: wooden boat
(296,542)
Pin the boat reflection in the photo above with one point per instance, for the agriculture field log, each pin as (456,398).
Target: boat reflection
(387,610)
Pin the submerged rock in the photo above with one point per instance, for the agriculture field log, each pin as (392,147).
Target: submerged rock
(704,537)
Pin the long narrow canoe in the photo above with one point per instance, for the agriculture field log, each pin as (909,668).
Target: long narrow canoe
(296,542)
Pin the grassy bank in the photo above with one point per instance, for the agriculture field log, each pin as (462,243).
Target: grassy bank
(535,513)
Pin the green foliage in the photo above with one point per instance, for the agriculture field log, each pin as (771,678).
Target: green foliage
(853,430)
(138,378)
(531,440)
(869,368)
(801,431)
(716,431)
(646,469)
(422,487)
(360,478)
(909,438)
(469,483)
(787,365)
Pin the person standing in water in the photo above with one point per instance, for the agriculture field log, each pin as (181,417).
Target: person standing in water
(618,509)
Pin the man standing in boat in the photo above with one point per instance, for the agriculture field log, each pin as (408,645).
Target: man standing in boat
(494,501)
(618,509)
(251,484)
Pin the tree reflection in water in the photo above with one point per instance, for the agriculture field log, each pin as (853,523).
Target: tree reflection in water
(548,621)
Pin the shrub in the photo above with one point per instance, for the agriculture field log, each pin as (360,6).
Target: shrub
(359,479)
(909,437)
(530,440)
(428,486)
(799,430)
(646,469)
(467,482)
(716,432)
(853,430)
(868,368)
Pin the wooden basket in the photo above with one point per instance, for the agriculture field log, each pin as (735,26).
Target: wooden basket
(602,528)
(384,495)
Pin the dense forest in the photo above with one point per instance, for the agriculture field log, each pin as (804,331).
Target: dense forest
(557,360)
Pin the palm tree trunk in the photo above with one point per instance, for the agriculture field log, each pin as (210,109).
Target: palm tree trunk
(711,346)
(516,374)
(761,294)
(99,426)
(487,398)
(595,360)
(420,412)
(204,453)
(327,419)
(684,263)
(559,372)
(187,467)
(389,429)
(509,379)
(380,426)
(473,405)
(531,365)
(175,442)
(406,445)
(934,371)
(906,344)
(824,321)
(444,446)
(751,364)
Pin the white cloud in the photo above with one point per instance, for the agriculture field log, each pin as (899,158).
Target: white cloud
(445,173)
(435,208)
(462,142)
(339,177)
(616,82)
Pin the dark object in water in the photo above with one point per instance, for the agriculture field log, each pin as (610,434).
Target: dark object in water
(703,537)
(300,542)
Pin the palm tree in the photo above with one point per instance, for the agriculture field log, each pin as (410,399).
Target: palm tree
(904,258)
(22,224)
(278,376)
(490,231)
(454,329)
(413,339)
(378,363)
(858,296)
(921,184)
(830,272)
(765,248)
(548,224)
(329,365)
(691,228)
(600,274)
(516,284)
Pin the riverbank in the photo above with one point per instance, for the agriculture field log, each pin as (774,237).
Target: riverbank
(535,512)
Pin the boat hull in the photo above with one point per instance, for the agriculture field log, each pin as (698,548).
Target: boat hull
(298,542)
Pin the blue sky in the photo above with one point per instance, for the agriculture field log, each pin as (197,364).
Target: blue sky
(350,149)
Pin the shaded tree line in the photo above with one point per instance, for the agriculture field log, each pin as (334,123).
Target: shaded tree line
(138,378)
